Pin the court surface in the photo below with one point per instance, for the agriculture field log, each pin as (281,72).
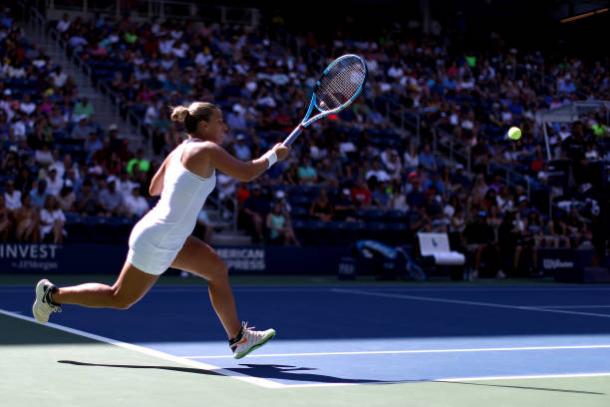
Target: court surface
(336,344)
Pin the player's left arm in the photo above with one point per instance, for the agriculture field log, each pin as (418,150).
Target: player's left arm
(156,183)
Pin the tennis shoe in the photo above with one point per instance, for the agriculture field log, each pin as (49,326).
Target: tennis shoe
(43,306)
(249,340)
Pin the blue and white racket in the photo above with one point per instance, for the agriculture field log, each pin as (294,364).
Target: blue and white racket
(339,86)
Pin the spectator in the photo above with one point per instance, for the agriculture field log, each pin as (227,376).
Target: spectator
(415,196)
(419,221)
(5,221)
(411,158)
(67,198)
(84,108)
(111,201)
(39,194)
(479,190)
(426,158)
(280,229)
(59,78)
(255,209)
(398,200)
(482,245)
(307,173)
(380,196)
(65,165)
(322,208)
(242,150)
(92,145)
(27,220)
(52,219)
(54,183)
(344,208)
(27,106)
(83,129)
(12,197)
(87,200)
(64,24)
(361,195)
(378,172)
(393,164)
(43,156)
(56,119)
(135,205)
(124,185)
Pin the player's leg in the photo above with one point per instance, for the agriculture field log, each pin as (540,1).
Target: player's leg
(198,258)
(130,286)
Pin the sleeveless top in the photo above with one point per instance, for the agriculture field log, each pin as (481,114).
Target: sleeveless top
(174,216)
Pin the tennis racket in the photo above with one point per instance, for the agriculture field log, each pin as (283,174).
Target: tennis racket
(341,83)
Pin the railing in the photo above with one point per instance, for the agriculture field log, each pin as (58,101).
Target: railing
(162,9)
(406,119)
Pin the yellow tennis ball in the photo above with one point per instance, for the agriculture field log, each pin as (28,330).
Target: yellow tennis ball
(514,133)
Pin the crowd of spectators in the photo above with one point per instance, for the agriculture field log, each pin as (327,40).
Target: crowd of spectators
(342,168)
(55,159)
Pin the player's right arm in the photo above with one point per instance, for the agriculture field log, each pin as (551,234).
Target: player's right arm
(218,158)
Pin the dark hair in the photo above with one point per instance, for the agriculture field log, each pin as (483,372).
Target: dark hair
(193,114)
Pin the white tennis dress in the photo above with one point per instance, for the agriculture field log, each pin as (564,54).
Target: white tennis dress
(157,238)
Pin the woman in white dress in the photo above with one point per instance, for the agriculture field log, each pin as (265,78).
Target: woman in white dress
(162,238)
(52,220)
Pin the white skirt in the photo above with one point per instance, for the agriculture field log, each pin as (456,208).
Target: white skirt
(149,250)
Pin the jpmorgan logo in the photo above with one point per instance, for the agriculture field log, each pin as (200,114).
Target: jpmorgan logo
(553,264)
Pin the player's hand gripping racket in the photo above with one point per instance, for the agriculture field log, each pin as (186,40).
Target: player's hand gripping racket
(339,86)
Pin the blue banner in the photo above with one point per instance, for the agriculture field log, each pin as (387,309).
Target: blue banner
(101,259)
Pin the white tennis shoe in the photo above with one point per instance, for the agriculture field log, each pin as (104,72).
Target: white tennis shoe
(250,340)
(43,307)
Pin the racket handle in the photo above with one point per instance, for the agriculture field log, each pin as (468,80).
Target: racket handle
(293,136)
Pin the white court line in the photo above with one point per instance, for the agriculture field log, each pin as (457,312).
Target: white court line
(152,352)
(462,302)
(462,379)
(572,306)
(410,351)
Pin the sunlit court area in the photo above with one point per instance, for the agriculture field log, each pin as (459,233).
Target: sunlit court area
(362,203)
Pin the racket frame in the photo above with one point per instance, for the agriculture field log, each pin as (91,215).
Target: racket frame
(306,122)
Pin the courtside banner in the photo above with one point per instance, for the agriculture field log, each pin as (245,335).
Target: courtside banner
(561,260)
(52,258)
(105,258)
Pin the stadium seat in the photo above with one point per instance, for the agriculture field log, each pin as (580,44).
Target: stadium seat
(436,245)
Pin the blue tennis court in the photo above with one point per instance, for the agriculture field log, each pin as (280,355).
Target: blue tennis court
(355,334)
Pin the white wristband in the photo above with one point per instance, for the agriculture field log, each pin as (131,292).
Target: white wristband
(271,158)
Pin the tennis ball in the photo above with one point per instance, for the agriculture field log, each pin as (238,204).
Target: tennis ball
(514,133)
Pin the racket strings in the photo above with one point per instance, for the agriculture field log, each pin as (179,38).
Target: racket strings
(340,84)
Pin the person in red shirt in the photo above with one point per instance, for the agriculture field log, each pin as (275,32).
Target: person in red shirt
(361,195)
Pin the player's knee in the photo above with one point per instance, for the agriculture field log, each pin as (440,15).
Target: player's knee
(121,300)
(221,271)
(124,303)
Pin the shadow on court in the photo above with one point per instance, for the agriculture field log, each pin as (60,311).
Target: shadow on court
(284,372)
(295,373)
(171,368)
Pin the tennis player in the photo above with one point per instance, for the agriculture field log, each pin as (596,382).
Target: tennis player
(162,238)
